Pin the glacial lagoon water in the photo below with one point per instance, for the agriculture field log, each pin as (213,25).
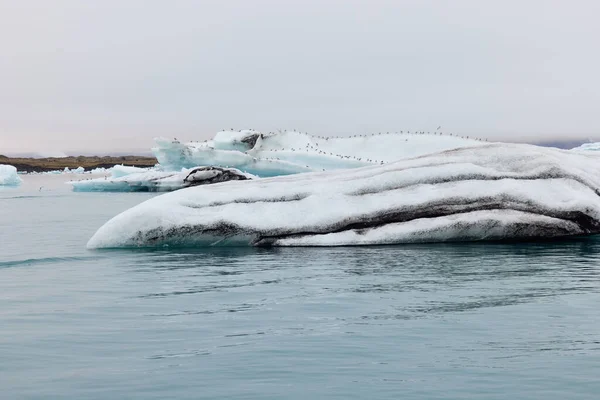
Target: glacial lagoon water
(451,321)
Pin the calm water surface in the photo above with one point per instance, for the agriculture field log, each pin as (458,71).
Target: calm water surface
(479,321)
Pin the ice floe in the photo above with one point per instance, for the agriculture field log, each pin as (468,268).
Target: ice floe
(154,180)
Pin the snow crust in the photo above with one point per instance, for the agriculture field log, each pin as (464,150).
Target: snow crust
(9,176)
(292,152)
(491,192)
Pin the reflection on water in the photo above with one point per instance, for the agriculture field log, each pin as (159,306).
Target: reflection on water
(492,274)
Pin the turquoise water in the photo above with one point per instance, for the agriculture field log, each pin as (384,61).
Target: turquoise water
(478,321)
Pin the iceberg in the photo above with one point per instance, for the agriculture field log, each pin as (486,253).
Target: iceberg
(78,170)
(267,155)
(115,171)
(588,147)
(126,179)
(490,192)
(291,152)
(9,176)
(99,170)
(119,171)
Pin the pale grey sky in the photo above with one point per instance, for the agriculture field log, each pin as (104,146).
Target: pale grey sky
(111,74)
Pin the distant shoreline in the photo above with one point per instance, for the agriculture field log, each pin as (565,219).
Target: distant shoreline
(87,162)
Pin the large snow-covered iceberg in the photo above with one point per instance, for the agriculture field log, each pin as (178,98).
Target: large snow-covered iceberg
(155,180)
(9,176)
(492,192)
(292,152)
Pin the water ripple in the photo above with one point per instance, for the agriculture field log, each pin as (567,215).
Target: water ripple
(44,260)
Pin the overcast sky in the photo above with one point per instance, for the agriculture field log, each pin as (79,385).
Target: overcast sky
(112,74)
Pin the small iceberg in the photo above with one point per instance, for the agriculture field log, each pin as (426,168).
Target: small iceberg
(127,179)
(9,176)
(78,170)
(488,192)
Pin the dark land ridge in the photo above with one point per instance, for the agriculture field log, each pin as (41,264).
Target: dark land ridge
(87,162)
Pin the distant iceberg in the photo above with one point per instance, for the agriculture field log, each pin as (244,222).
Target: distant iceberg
(588,147)
(154,180)
(9,176)
(99,170)
(491,192)
(292,152)
(78,170)
(115,171)
(66,170)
